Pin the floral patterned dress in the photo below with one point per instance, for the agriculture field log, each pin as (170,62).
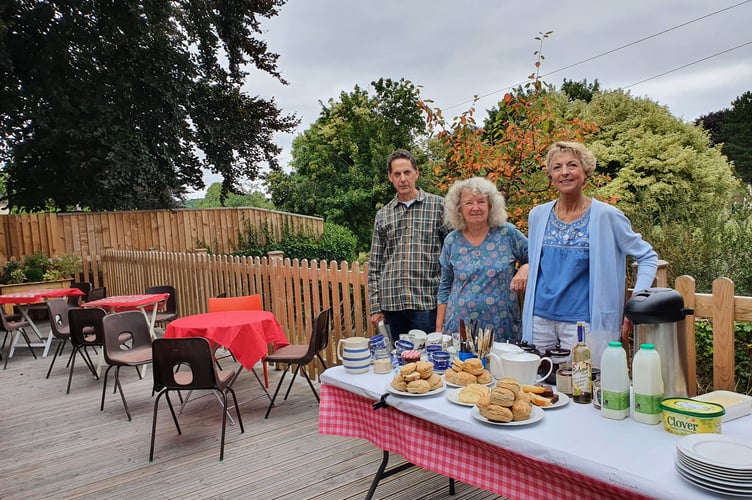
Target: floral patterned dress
(475,281)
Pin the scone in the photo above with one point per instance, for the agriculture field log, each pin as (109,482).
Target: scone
(493,412)
(434,381)
(425,368)
(411,376)
(465,378)
(452,376)
(510,383)
(502,397)
(484,378)
(521,410)
(526,396)
(457,365)
(408,368)
(473,365)
(472,393)
(419,386)
(399,384)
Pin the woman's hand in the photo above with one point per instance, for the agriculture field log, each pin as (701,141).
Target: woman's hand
(519,281)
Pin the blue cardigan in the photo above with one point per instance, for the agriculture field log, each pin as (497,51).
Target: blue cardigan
(611,240)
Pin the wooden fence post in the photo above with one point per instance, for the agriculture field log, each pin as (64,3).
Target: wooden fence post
(723,334)
(685,285)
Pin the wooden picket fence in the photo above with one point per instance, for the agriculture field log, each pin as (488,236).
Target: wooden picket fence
(296,290)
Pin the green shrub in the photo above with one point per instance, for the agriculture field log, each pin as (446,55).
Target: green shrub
(337,243)
(704,353)
(39,267)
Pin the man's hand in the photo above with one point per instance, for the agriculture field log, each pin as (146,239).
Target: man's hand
(375,318)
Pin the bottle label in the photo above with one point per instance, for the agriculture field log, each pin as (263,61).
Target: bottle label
(615,400)
(582,382)
(647,403)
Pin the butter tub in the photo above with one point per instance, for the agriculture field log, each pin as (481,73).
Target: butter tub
(684,416)
(736,405)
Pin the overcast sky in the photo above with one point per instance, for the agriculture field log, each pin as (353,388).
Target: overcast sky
(456,50)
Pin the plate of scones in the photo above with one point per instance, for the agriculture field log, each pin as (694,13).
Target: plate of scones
(416,379)
(507,404)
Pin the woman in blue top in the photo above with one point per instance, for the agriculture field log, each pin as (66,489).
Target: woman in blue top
(479,261)
(578,250)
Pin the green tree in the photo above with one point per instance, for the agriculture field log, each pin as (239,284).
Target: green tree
(583,90)
(119,105)
(658,161)
(339,162)
(213,199)
(736,134)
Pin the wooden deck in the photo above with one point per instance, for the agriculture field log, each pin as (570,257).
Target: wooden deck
(61,446)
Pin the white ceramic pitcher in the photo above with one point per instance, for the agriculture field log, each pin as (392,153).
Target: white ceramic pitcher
(524,367)
(494,357)
(354,354)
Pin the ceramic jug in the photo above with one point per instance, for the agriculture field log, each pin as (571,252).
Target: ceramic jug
(494,357)
(355,354)
(524,367)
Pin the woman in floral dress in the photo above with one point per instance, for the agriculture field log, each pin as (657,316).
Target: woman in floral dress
(483,262)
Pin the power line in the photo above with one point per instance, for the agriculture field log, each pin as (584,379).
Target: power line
(687,65)
(630,44)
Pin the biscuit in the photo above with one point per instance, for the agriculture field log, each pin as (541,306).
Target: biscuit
(434,381)
(502,397)
(521,410)
(419,386)
(473,365)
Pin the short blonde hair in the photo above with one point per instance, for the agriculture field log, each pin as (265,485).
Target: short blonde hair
(586,157)
(497,212)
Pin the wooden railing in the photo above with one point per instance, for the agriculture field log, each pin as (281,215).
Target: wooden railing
(296,290)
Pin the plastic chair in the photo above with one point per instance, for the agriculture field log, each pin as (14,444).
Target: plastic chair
(171,309)
(242,303)
(171,356)
(133,325)
(59,327)
(302,354)
(96,294)
(85,287)
(86,330)
(14,323)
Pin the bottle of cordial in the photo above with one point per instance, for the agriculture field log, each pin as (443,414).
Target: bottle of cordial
(614,382)
(582,382)
(647,384)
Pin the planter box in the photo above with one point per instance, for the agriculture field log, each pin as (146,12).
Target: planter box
(32,285)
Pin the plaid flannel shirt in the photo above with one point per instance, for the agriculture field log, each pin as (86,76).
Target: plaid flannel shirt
(404,270)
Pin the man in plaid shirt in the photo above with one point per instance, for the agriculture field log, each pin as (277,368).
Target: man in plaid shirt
(403,270)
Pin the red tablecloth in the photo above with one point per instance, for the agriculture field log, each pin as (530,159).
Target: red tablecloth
(124,302)
(246,334)
(436,448)
(35,296)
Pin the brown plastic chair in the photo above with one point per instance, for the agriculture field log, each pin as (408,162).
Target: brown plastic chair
(59,327)
(14,323)
(86,330)
(96,294)
(302,354)
(135,352)
(171,308)
(171,358)
(242,303)
(85,287)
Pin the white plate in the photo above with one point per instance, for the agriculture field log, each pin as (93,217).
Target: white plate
(563,401)
(535,415)
(450,384)
(454,397)
(718,450)
(709,486)
(410,394)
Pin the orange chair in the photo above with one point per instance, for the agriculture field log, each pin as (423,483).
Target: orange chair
(245,302)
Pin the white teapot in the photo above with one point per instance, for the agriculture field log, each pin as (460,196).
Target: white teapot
(494,357)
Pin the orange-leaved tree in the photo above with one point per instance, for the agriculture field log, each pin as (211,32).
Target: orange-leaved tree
(511,149)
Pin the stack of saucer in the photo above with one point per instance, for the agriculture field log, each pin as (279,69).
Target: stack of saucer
(715,462)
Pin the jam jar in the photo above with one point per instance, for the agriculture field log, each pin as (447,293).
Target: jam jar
(559,356)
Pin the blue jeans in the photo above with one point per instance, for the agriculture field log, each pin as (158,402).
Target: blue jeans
(410,319)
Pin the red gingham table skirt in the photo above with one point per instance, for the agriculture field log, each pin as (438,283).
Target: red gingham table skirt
(438,449)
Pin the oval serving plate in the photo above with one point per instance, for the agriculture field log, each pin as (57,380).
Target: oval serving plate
(410,394)
(454,397)
(535,416)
